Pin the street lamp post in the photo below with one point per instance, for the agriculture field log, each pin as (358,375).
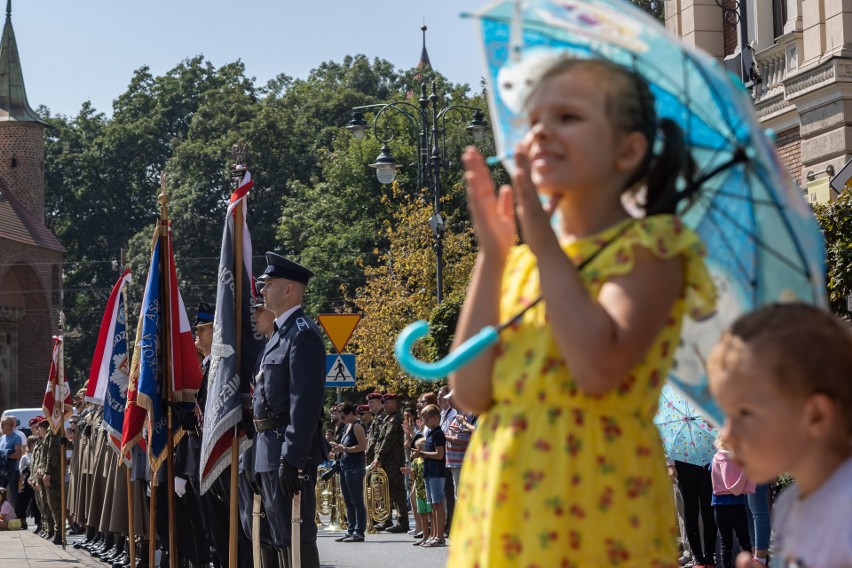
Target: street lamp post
(429,122)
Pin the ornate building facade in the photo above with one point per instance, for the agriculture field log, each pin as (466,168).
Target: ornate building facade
(30,255)
(796,58)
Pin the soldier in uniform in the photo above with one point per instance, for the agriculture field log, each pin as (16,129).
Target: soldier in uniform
(374,426)
(34,479)
(390,456)
(288,401)
(51,480)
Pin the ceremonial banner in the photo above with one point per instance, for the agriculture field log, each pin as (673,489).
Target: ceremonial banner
(57,406)
(134,415)
(228,385)
(149,393)
(185,370)
(110,372)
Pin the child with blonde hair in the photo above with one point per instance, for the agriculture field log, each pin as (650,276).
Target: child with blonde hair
(730,487)
(782,376)
(423,511)
(566,467)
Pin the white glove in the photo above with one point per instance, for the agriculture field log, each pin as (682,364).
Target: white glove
(180,486)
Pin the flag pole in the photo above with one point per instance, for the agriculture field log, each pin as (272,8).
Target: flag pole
(61,393)
(131,515)
(131,532)
(166,342)
(239,219)
(152,524)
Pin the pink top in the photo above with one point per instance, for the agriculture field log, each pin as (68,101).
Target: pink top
(728,478)
(7,512)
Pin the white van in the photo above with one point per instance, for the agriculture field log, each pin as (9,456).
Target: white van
(23,416)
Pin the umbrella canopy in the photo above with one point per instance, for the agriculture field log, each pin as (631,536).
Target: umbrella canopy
(686,436)
(763,242)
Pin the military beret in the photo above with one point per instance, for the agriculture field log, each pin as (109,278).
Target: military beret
(389,396)
(279,267)
(35,420)
(374,396)
(43,422)
(363,408)
(205,314)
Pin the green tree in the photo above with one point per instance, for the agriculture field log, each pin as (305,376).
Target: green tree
(835,218)
(400,289)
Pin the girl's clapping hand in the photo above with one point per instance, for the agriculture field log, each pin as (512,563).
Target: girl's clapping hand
(492,213)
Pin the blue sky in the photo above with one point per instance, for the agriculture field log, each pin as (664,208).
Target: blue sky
(72,51)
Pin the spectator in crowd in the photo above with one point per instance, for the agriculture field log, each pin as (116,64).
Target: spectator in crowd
(696,489)
(448,414)
(760,525)
(7,512)
(351,450)
(730,487)
(461,427)
(11,450)
(422,510)
(434,472)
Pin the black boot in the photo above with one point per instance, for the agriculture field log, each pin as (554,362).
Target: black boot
(122,560)
(310,556)
(94,542)
(115,551)
(109,542)
(399,528)
(164,559)
(268,557)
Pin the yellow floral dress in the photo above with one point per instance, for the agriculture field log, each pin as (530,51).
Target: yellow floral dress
(554,477)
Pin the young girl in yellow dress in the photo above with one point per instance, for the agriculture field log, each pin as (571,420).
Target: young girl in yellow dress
(566,468)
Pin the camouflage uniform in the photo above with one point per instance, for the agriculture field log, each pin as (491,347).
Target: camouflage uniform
(52,496)
(391,455)
(374,436)
(35,478)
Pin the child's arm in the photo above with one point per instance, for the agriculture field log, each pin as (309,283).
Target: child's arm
(438,454)
(601,338)
(494,221)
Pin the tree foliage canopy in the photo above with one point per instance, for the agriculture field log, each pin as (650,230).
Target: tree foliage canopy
(314,200)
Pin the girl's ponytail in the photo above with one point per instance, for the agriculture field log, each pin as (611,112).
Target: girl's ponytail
(666,168)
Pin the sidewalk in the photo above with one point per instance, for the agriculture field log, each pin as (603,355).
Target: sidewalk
(23,549)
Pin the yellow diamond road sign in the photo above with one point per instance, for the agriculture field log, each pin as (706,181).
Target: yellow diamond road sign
(339,328)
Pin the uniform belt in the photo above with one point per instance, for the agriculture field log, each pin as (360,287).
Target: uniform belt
(263,424)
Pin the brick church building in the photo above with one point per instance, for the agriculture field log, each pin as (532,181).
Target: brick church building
(30,255)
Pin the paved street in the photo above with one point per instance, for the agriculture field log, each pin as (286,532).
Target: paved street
(22,549)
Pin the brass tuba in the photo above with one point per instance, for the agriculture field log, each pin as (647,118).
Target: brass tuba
(377,497)
(324,492)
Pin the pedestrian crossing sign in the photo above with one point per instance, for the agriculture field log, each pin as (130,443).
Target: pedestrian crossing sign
(340,370)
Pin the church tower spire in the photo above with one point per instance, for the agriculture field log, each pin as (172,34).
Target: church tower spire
(13,96)
(424,55)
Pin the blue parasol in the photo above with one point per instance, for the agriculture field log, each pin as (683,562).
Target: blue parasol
(686,436)
(763,242)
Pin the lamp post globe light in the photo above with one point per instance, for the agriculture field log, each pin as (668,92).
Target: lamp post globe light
(428,120)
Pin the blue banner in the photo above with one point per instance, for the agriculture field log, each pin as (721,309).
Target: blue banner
(115,396)
(150,395)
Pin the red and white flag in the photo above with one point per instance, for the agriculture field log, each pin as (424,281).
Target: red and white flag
(57,406)
(102,362)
